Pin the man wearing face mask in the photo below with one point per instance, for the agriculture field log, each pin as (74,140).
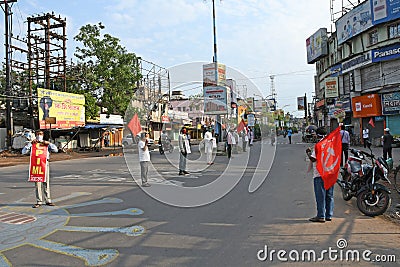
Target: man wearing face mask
(42,189)
(184,148)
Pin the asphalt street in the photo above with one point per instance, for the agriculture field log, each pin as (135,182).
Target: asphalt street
(225,214)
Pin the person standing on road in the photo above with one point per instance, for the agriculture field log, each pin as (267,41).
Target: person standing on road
(245,139)
(184,148)
(42,189)
(289,134)
(144,158)
(251,136)
(365,134)
(208,146)
(230,141)
(323,197)
(387,140)
(345,144)
(235,145)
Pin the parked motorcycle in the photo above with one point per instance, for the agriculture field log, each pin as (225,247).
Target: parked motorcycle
(360,180)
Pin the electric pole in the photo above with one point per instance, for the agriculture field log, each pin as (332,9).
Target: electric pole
(8,29)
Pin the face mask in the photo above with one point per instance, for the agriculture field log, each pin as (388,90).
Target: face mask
(39,138)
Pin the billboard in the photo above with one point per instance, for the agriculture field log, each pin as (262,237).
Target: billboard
(385,10)
(354,22)
(331,87)
(232,85)
(111,119)
(300,103)
(209,75)
(317,45)
(69,109)
(215,100)
(258,105)
(366,106)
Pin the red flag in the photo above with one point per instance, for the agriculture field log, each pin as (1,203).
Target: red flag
(134,125)
(240,126)
(371,121)
(328,153)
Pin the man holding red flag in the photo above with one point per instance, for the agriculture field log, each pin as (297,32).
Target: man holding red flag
(326,160)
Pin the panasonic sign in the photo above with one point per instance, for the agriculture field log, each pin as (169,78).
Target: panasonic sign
(386,53)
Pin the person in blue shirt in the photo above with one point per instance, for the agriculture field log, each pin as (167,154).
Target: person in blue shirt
(289,134)
(42,189)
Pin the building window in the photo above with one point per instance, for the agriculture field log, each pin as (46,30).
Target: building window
(394,30)
(184,108)
(373,37)
(179,109)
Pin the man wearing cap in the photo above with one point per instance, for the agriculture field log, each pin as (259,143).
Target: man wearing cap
(42,188)
(387,140)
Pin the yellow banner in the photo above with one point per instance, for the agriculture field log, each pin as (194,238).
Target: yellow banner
(241,111)
(67,108)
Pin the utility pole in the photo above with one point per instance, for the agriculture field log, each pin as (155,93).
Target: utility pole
(305,108)
(215,60)
(8,30)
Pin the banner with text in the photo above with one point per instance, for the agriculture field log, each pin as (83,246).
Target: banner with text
(215,100)
(38,163)
(69,109)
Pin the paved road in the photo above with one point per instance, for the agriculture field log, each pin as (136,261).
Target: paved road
(103,218)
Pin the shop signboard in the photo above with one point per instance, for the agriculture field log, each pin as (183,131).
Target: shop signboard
(391,103)
(366,106)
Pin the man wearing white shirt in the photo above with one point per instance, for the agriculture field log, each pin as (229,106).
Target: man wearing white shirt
(208,146)
(144,158)
(42,188)
(365,136)
(230,141)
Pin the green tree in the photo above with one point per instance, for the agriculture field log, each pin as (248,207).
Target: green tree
(110,72)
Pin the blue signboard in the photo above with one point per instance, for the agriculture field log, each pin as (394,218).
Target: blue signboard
(336,70)
(391,103)
(384,10)
(386,53)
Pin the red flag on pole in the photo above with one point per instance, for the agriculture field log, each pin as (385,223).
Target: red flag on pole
(371,121)
(328,153)
(134,125)
(240,126)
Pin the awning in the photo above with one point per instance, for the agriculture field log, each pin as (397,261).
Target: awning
(100,126)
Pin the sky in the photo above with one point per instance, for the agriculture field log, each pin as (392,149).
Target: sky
(256,38)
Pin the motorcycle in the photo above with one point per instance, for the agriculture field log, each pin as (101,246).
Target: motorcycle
(360,180)
(165,145)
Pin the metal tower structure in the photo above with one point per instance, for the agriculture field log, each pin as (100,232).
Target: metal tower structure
(47,51)
(341,7)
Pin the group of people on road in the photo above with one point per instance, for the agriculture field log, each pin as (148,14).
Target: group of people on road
(210,143)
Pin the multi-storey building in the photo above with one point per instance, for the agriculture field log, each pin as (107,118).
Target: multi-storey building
(358,69)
